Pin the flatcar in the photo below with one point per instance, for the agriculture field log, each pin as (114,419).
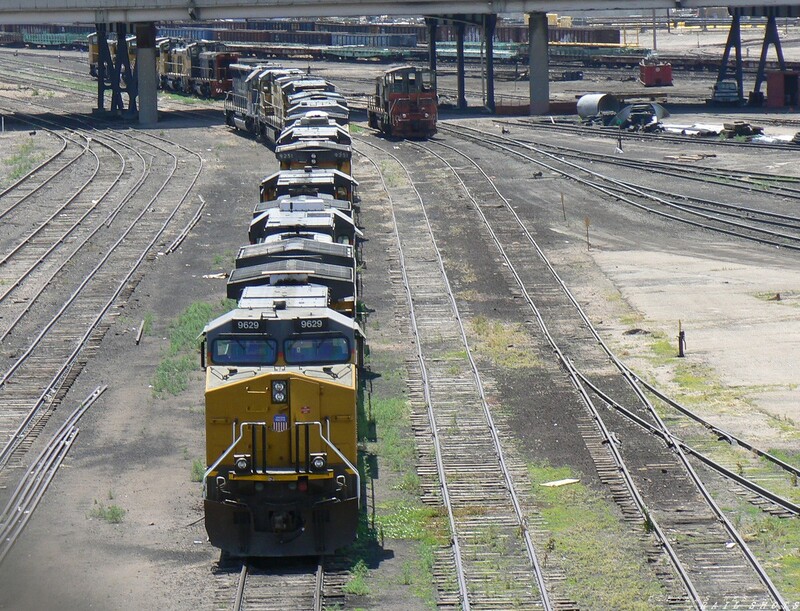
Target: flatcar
(405,103)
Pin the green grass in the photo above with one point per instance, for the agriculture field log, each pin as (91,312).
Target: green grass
(778,541)
(113,514)
(507,346)
(23,160)
(393,176)
(198,470)
(607,566)
(172,373)
(394,446)
(400,514)
(148,324)
(225,260)
(409,519)
(357,584)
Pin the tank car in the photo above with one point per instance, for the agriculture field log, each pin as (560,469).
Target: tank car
(405,103)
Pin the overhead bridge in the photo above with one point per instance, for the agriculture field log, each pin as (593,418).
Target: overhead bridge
(140,16)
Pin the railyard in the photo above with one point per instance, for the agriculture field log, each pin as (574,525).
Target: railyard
(470,242)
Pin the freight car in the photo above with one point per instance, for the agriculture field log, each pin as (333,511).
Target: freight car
(405,103)
(282,369)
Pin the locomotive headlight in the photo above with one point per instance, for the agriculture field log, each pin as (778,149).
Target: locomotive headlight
(279,388)
(318,462)
(404,116)
(427,115)
(242,464)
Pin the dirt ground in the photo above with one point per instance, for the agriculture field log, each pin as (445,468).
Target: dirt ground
(136,451)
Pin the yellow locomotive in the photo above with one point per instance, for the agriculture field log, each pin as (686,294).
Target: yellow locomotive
(281,390)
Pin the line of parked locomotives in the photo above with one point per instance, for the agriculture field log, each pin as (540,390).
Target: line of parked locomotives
(282,368)
(263,100)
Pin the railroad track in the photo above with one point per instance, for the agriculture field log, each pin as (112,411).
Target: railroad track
(613,133)
(279,584)
(38,476)
(62,285)
(746,222)
(464,465)
(708,557)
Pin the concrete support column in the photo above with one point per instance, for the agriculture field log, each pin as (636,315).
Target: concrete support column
(146,72)
(490,21)
(538,72)
(462,95)
(432,27)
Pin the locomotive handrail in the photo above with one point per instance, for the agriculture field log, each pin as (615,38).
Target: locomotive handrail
(296,424)
(336,450)
(228,451)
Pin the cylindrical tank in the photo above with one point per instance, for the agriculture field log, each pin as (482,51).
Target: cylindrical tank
(593,104)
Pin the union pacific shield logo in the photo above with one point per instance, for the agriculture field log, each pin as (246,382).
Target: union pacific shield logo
(280,423)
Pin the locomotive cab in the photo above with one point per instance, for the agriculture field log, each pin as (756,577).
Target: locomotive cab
(405,103)
(281,391)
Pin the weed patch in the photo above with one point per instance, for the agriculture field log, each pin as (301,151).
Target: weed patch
(23,160)
(113,514)
(198,470)
(172,373)
(607,570)
(357,584)
(508,346)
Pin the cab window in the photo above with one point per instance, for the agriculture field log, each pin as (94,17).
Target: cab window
(244,351)
(316,350)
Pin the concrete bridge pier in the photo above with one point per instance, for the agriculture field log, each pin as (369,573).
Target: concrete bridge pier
(461,28)
(538,71)
(433,26)
(489,23)
(146,72)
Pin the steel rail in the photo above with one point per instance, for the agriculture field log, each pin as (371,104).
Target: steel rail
(728,436)
(755,146)
(671,439)
(628,479)
(520,515)
(239,600)
(38,476)
(20,433)
(618,363)
(695,173)
(30,173)
(459,565)
(755,564)
(617,196)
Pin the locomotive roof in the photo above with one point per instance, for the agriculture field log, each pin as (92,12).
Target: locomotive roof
(316,94)
(328,221)
(304,82)
(302,203)
(308,176)
(293,296)
(294,246)
(340,279)
(331,132)
(289,151)
(280,306)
